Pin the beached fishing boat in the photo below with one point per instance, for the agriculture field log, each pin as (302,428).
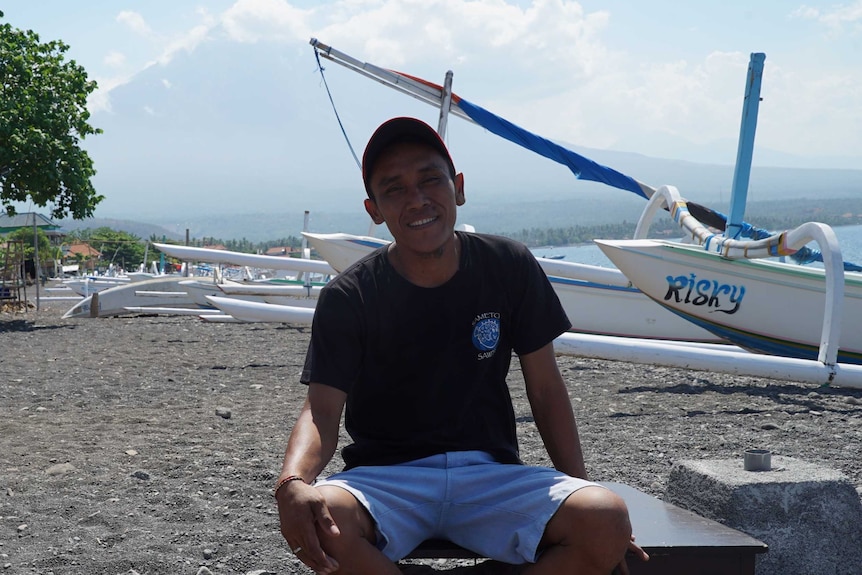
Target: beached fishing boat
(341,250)
(585,291)
(189,253)
(294,293)
(716,229)
(161,291)
(724,280)
(733,289)
(588,292)
(84,286)
(763,306)
(253,311)
(300,290)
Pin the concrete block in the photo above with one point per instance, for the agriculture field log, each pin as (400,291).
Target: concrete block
(809,515)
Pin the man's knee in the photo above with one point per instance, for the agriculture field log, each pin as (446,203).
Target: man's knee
(592,516)
(355,547)
(353,520)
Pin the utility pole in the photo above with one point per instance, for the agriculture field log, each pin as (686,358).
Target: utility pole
(36,259)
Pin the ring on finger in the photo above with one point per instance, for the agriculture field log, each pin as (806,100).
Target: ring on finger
(296,551)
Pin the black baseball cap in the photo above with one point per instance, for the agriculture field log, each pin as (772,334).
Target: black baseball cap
(395,130)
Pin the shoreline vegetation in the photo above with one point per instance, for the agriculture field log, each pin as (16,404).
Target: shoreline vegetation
(124,241)
(765,215)
(774,216)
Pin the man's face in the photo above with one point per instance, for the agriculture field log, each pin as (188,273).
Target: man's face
(415,195)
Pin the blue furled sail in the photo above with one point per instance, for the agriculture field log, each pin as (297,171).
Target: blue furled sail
(583,168)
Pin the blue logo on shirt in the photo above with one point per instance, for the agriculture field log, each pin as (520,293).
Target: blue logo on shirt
(486,331)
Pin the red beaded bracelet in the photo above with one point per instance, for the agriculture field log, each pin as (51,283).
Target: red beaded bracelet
(280,483)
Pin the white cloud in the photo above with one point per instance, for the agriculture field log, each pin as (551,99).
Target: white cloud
(185,42)
(135,22)
(842,15)
(255,20)
(166,83)
(548,35)
(164,46)
(100,99)
(549,66)
(812,114)
(149,111)
(836,17)
(806,13)
(115,59)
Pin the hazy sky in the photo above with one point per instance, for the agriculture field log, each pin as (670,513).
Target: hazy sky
(662,78)
(608,74)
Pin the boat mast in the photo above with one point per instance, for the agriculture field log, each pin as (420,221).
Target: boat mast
(436,96)
(445,104)
(748,125)
(425,92)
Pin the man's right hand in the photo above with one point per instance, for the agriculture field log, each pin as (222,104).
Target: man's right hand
(302,511)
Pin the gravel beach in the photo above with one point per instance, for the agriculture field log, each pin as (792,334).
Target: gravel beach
(150,444)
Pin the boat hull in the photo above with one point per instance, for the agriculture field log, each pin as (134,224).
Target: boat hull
(189,253)
(597,300)
(87,286)
(762,306)
(164,291)
(341,250)
(608,309)
(252,311)
(285,294)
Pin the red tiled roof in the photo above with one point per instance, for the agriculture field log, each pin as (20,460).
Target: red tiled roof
(279,251)
(84,249)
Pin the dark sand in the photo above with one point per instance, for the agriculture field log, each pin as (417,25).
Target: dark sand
(114,460)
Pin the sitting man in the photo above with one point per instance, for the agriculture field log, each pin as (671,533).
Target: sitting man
(416,340)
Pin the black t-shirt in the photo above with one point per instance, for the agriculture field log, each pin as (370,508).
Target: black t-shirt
(425,369)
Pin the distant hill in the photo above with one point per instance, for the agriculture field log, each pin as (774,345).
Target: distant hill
(140,229)
(491,217)
(173,154)
(175,150)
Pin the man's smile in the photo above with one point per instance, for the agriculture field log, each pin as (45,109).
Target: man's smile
(422,222)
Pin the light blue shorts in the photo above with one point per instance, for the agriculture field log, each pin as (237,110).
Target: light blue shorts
(497,510)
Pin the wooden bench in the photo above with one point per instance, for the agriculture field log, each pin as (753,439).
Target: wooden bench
(678,541)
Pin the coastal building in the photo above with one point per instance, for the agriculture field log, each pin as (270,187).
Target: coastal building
(280,251)
(9,224)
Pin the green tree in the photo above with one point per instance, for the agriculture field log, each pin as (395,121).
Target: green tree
(120,248)
(43,117)
(25,235)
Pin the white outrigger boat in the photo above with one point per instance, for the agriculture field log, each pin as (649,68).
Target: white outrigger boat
(341,250)
(730,287)
(764,306)
(189,253)
(267,291)
(161,291)
(585,291)
(84,286)
(825,369)
(253,311)
(301,292)
(182,295)
(761,305)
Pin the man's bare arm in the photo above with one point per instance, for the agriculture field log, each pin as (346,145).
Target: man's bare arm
(552,410)
(302,509)
(314,438)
